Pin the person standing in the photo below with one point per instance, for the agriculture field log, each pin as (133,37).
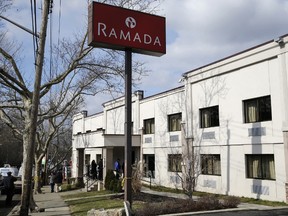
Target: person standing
(51,181)
(100,169)
(93,169)
(58,181)
(117,168)
(9,187)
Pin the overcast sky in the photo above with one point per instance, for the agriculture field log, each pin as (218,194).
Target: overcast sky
(198,32)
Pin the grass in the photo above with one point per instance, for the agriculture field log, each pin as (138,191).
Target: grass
(81,202)
(164,189)
(80,207)
(86,194)
(262,202)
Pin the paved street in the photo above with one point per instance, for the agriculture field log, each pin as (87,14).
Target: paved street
(5,210)
(271,212)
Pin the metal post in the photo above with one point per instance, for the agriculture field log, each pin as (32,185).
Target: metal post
(128,138)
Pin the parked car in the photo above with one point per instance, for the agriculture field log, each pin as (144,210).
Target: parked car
(3,173)
(7,168)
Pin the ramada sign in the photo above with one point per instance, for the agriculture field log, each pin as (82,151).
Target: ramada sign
(119,28)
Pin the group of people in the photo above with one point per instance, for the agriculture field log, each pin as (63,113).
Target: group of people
(55,179)
(97,169)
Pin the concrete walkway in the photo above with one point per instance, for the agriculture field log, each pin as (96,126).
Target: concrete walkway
(54,205)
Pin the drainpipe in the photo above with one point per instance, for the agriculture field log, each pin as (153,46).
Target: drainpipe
(282,63)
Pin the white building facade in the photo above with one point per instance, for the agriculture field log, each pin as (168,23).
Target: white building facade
(232,113)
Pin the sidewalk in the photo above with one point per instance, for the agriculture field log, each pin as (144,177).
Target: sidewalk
(54,205)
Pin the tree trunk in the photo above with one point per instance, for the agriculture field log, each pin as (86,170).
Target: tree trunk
(37,177)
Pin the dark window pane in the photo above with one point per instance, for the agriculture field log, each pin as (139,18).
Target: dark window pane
(174,163)
(260,166)
(174,122)
(210,164)
(149,126)
(257,109)
(209,117)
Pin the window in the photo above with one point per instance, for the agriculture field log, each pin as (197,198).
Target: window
(149,166)
(174,122)
(257,109)
(211,164)
(260,166)
(174,163)
(209,117)
(149,126)
(87,159)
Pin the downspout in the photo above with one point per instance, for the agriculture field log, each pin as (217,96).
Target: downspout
(283,68)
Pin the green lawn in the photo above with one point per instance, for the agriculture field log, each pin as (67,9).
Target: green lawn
(86,194)
(82,205)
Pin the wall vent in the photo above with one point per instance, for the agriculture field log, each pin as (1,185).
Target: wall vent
(210,183)
(148,140)
(257,131)
(258,189)
(174,138)
(208,135)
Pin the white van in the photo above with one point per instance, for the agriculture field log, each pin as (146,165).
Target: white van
(6,169)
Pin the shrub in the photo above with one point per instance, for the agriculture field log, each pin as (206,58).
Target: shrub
(136,178)
(109,177)
(80,184)
(231,202)
(117,186)
(68,187)
(136,185)
(208,202)
(112,183)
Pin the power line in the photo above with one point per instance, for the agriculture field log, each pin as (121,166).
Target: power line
(51,45)
(35,21)
(32,18)
(59,23)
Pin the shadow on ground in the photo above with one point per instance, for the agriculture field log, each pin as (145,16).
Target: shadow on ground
(5,210)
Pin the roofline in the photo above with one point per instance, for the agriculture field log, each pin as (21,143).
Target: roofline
(164,92)
(233,55)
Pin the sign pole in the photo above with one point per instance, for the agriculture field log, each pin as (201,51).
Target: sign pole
(128,126)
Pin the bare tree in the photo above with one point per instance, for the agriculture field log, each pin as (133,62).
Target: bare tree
(50,130)
(8,141)
(78,70)
(5,5)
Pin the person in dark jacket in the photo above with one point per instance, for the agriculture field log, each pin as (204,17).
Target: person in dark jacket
(58,181)
(100,170)
(93,169)
(9,187)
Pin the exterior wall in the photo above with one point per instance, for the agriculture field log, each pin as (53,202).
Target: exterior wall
(260,71)
(159,107)
(102,135)
(227,84)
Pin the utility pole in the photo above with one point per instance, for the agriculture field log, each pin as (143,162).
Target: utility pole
(29,148)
